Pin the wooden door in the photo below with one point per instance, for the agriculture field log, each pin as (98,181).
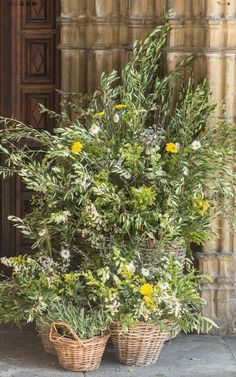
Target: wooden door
(30,75)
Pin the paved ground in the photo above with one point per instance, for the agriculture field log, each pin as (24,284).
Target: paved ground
(21,355)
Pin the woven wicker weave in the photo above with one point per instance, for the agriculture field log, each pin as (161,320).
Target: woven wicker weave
(44,331)
(75,354)
(153,256)
(141,345)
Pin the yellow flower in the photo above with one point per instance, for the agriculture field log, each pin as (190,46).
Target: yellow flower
(201,205)
(149,302)
(171,147)
(120,106)
(99,115)
(76,147)
(146,290)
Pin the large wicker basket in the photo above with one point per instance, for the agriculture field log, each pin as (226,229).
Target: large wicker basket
(141,345)
(44,330)
(75,354)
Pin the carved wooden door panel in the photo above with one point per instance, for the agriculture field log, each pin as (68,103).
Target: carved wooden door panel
(34,65)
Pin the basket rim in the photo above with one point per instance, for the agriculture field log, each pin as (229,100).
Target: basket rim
(137,330)
(57,338)
(64,338)
(141,323)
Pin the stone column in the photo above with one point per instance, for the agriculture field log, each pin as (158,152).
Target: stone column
(209,28)
(97,35)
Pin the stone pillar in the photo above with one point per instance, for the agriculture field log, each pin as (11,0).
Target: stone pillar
(97,35)
(209,29)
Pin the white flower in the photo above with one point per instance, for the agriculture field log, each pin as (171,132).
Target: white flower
(145,272)
(196,145)
(55,169)
(42,232)
(94,130)
(65,253)
(46,262)
(116,118)
(185,171)
(126,175)
(130,267)
(62,217)
(177,145)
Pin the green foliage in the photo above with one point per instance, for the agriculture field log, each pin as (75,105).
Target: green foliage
(142,161)
(131,293)
(36,282)
(124,169)
(143,197)
(14,306)
(86,324)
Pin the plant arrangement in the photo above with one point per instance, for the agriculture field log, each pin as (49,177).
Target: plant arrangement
(143,160)
(139,171)
(78,336)
(86,323)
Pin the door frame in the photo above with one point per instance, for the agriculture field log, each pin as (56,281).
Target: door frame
(5,109)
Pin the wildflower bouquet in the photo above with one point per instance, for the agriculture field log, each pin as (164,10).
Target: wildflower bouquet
(140,165)
(130,292)
(142,160)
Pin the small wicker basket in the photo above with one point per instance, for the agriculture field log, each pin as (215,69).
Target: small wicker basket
(141,345)
(44,330)
(75,354)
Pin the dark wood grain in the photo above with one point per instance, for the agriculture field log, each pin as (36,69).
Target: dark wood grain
(29,72)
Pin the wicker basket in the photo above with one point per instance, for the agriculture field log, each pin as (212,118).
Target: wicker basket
(75,354)
(44,331)
(153,255)
(141,345)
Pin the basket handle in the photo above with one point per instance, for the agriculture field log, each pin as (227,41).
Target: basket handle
(68,327)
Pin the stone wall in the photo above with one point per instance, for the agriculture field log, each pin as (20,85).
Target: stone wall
(97,35)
